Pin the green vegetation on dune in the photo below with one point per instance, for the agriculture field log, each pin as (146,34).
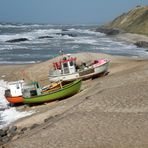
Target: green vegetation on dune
(135,21)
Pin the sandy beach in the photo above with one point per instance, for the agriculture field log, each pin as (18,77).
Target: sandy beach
(110,111)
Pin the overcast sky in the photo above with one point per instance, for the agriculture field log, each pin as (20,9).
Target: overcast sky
(65,11)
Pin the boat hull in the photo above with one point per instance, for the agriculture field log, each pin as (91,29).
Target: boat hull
(15,100)
(66,91)
(69,77)
(102,68)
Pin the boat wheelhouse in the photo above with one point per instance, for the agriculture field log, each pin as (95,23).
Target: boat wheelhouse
(13,93)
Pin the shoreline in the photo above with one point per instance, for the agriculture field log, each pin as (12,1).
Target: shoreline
(139,40)
(131,37)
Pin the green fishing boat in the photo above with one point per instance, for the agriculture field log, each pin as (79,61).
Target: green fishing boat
(33,96)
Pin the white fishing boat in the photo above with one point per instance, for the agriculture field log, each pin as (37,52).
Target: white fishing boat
(67,70)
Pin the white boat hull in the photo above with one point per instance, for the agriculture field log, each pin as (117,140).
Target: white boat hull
(68,77)
(102,68)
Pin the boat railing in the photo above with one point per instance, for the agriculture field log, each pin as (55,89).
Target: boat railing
(56,72)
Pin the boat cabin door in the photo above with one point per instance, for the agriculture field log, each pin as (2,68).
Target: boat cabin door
(65,68)
(68,67)
(37,88)
(72,68)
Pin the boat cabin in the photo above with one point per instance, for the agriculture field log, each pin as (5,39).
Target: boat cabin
(66,66)
(34,89)
(14,88)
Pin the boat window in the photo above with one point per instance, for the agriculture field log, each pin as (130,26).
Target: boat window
(33,93)
(37,85)
(65,65)
(71,63)
(17,86)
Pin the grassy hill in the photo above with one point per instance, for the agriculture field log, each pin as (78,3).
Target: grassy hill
(134,21)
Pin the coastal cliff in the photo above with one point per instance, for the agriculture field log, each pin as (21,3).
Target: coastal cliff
(134,21)
(131,26)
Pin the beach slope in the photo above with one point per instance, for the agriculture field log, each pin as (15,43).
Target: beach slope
(110,111)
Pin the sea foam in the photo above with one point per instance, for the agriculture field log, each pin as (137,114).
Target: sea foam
(9,115)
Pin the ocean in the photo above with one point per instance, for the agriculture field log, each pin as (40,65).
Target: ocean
(44,41)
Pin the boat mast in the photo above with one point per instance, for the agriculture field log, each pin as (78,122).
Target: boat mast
(61,52)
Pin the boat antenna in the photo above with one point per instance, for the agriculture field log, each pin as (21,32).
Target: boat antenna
(62,53)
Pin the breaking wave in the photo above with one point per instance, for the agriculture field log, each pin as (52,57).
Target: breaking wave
(42,41)
(8,115)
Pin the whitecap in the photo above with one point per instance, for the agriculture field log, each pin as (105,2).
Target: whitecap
(84,40)
(10,115)
(19,62)
(86,31)
(3,101)
(29,35)
(11,47)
